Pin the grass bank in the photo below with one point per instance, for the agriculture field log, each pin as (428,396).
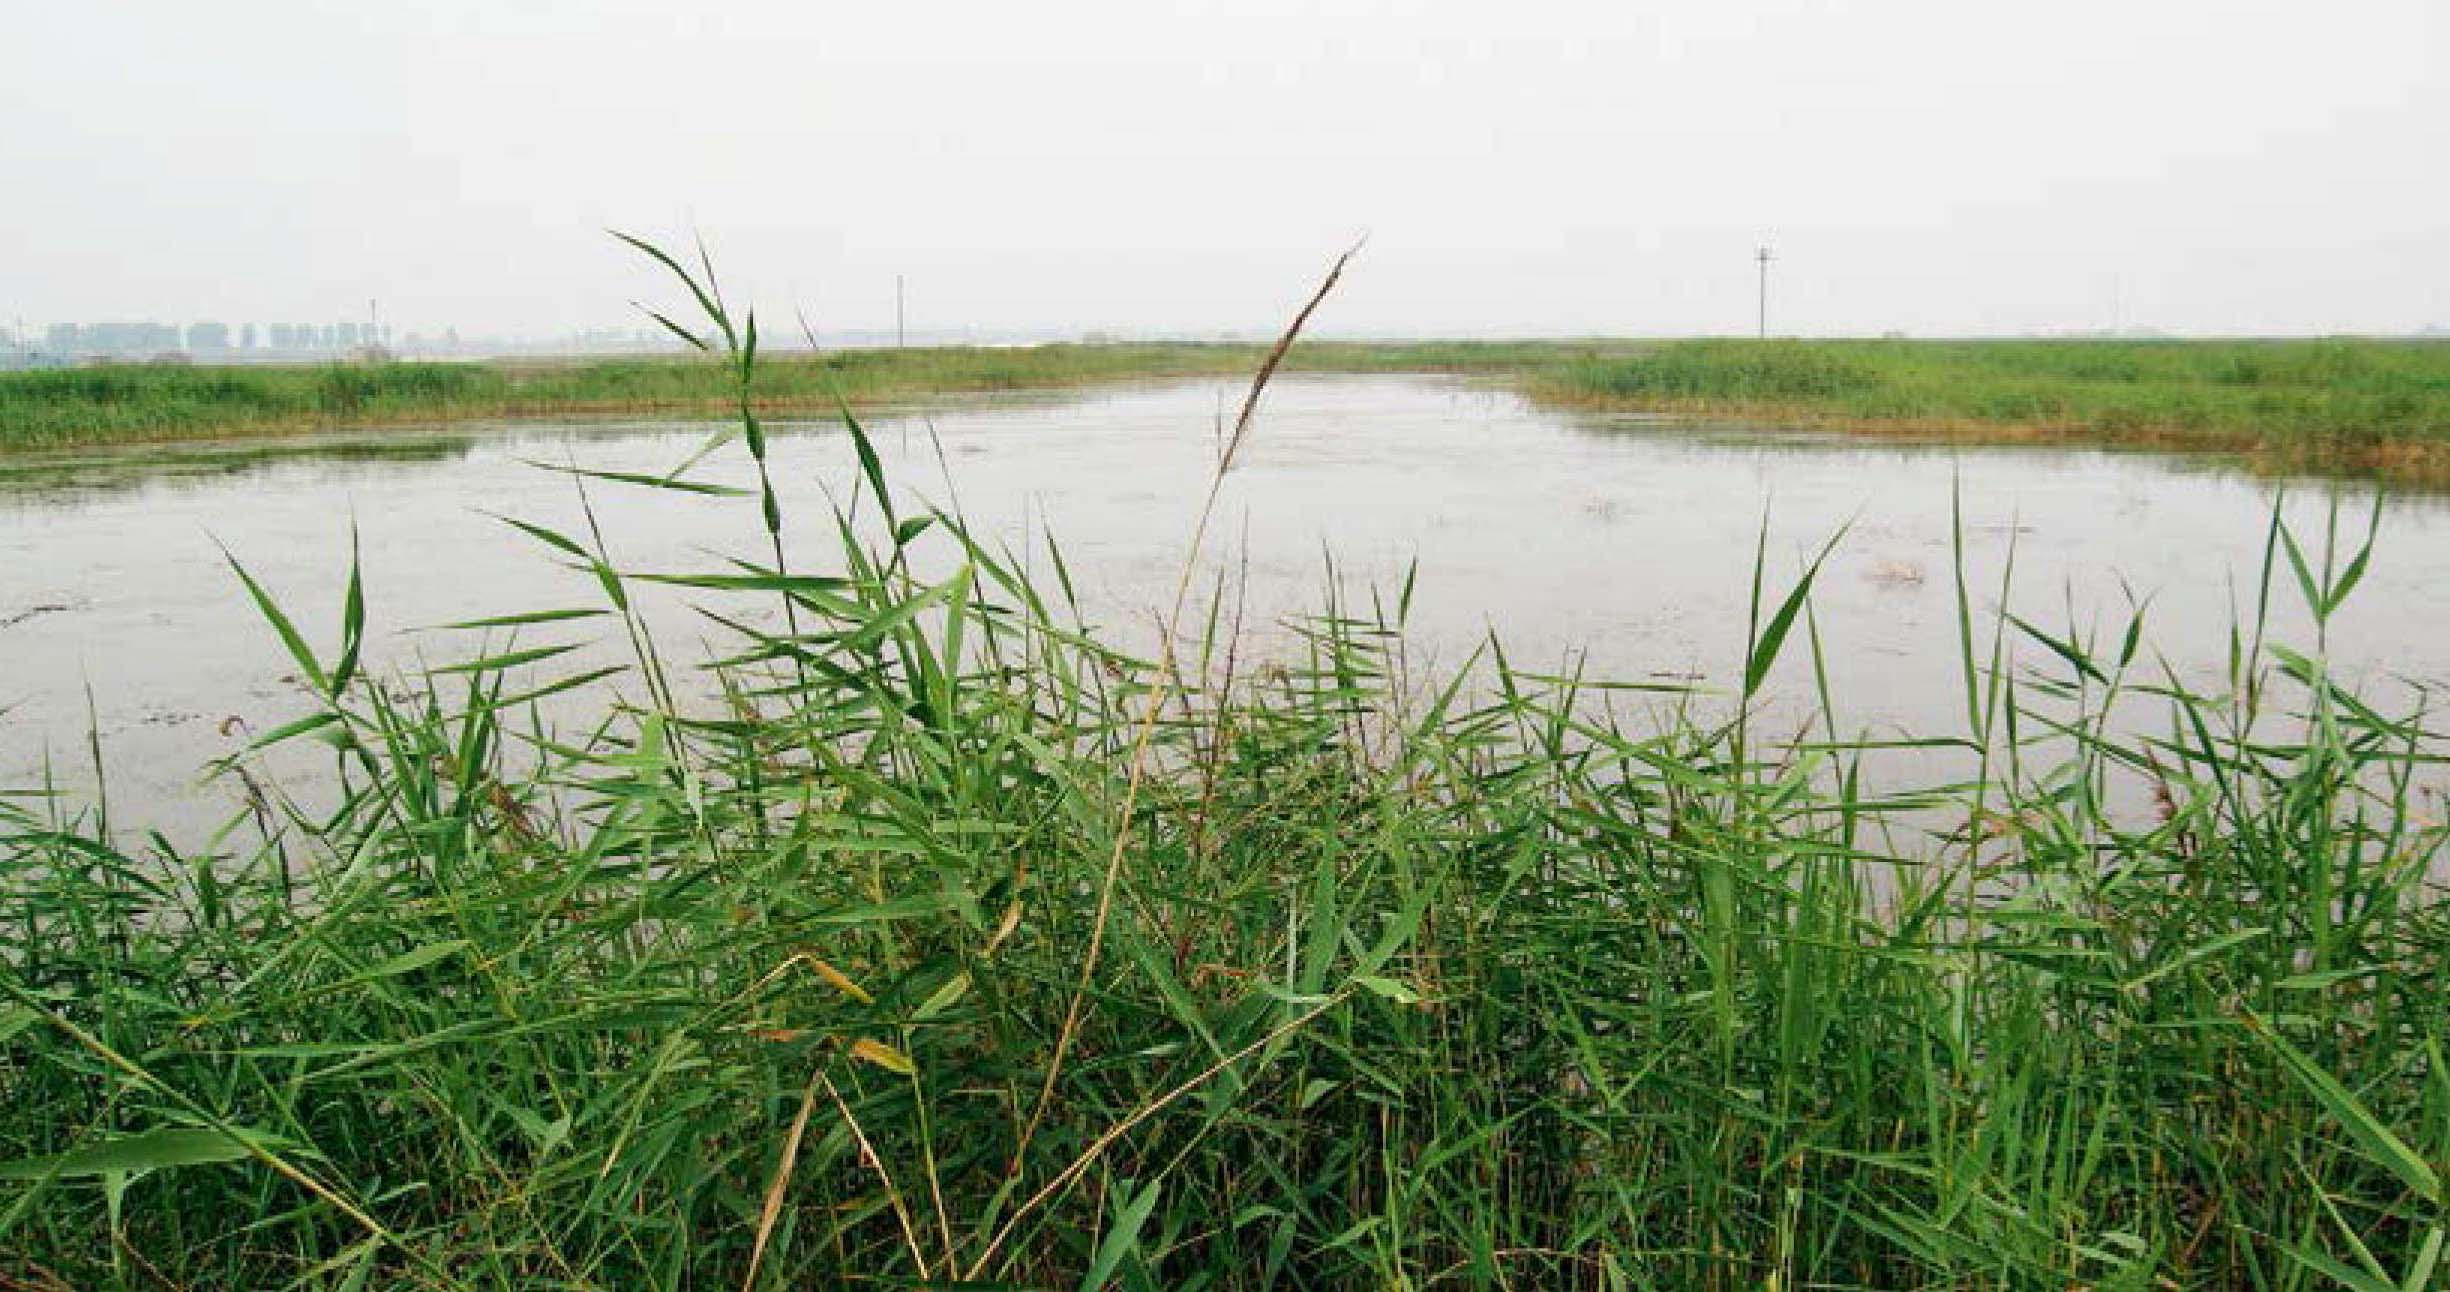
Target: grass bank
(50,409)
(2367,408)
(84,407)
(2371,408)
(923,940)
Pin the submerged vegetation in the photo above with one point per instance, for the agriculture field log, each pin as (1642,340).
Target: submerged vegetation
(925,940)
(2361,407)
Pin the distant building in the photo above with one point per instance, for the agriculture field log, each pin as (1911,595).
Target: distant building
(112,340)
(208,336)
(246,337)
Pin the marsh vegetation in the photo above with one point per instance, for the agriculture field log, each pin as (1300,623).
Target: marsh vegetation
(2361,407)
(2371,408)
(920,937)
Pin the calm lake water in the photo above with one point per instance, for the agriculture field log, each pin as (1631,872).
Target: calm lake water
(1625,543)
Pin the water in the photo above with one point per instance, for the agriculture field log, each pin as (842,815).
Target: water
(1623,544)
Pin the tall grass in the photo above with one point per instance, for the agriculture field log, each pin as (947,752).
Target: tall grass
(2368,407)
(777,971)
(69,408)
(55,409)
(2359,407)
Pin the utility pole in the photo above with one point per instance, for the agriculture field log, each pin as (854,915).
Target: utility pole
(900,335)
(1762,257)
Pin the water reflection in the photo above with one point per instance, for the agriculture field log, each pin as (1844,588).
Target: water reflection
(56,478)
(1623,545)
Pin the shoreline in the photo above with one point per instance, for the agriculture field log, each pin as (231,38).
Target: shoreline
(2423,465)
(2366,410)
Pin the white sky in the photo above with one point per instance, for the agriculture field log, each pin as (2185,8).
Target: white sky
(1522,166)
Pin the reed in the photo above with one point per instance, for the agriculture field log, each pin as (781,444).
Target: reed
(774,971)
(2350,407)
(2368,408)
(99,406)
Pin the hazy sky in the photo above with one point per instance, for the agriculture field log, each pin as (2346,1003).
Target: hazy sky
(1526,166)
